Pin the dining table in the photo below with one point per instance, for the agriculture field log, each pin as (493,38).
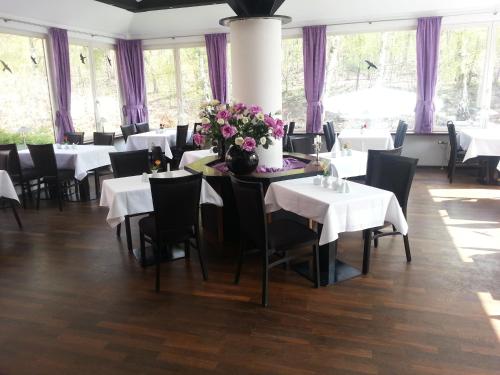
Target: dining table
(358,208)
(189,157)
(80,158)
(165,138)
(366,139)
(347,163)
(130,196)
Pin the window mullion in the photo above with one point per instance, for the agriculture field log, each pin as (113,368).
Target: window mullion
(98,126)
(178,82)
(487,79)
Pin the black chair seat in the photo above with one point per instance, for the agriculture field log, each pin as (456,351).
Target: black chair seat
(28,174)
(174,235)
(286,234)
(62,175)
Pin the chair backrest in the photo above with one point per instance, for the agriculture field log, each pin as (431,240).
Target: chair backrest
(372,155)
(75,137)
(291,127)
(331,130)
(129,163)
(142,127)
(285,138)
(394,173)
(4,160)
(44,159)
(328,138)
(302,144)
(249,197)
(399,139)
(452,134)
(104,139)
(157,154)
(127,131)
(176,201)
(181,136)
(14,167)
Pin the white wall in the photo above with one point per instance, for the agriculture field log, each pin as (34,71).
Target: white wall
(426,149)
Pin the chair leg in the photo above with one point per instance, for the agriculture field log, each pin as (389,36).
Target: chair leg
(59,196)
(129,233)
(265,278)
(118,230)
(97,185)
(23,193)
(187,249)
(200,256)
(20,225)
(143,249)
(316,266)
(407,248)
(38,195)
(366,250)
(375,243)
(240,263)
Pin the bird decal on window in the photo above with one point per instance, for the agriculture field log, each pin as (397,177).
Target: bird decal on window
(5,67)
(371,65)
(82,58)
(33,60)
(109,60)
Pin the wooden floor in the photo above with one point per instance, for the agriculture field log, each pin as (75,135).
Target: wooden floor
(72,300)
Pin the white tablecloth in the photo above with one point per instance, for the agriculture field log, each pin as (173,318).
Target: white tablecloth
(367,139)
(347,166)
(191,156)
(82,158)
(480,142)
(363,207)
(7,189)
(130,196)
(164,138)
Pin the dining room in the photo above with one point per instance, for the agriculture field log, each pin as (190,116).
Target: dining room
(249,187)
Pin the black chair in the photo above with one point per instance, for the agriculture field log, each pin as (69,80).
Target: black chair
(127,131)
(393,173)
(370,163)
(60,180)
(303,144)
(21,177)
(273,240)
(126,164)
(157,154)
(285,138)
(457,154)
(142,127)
(291,128)
(4,165)
(399,139)
(190,145)
(176,217)
(180,143)
(330,136)
(102,139)
(74,137)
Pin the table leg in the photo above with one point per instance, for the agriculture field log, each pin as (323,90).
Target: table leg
(129,234)
(84,189)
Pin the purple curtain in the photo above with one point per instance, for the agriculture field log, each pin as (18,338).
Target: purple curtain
(130,63)
(428,33)
(314,50)
(217,65)
(62,81)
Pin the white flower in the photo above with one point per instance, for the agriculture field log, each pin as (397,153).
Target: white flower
(214,102)
(245,112)
(260,116)
(205,120)
(263,141)
(270,131)
(244,120)
(222,107)
(239,141)
(221,121)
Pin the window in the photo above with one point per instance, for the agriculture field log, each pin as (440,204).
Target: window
(195,82)
(294,99)
(25,110)
(107,90)
(159,66)
(371,79)
(461,67)
(494,118)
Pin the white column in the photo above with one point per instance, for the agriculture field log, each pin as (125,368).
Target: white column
(256,72)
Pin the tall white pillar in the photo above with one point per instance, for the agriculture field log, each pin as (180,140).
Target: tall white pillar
(256,72)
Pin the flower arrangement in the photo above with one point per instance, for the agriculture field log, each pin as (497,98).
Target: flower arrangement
(65,140)
(156,165)
(237,124)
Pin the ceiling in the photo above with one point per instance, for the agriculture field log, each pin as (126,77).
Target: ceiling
(97,17)
(149,5)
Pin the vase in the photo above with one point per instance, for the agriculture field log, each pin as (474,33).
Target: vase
(220,148)
(240,161)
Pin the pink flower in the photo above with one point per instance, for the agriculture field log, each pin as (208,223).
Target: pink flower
(269,121)
(228,131)
(198,139)
(249,144)
(278,132)
(254,109)
(239,107)
(279,123)
(206,127)
(224,114)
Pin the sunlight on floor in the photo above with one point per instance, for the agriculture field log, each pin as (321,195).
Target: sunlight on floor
(471,236)
(492,308)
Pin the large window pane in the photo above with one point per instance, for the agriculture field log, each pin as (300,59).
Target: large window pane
(107,90)
(294,100)
(161,87)
(461,66)
(24,91)
(195,82)
(82,102)
(379,95)
(495,94)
